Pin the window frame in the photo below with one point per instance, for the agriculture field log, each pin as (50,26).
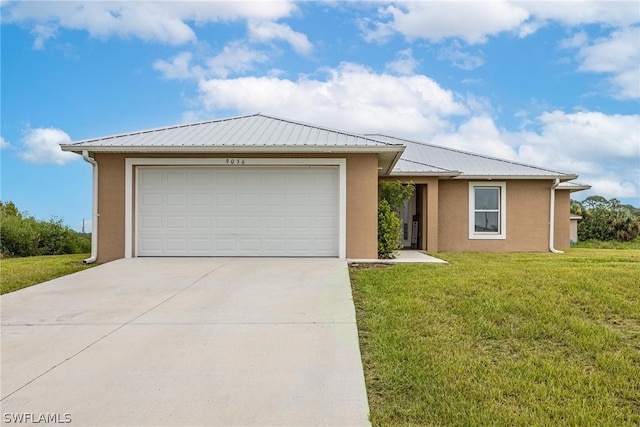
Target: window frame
(502,211)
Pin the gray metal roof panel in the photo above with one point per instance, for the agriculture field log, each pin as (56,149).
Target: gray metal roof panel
(255,130)
(573,186)
(404,166)
(469,164)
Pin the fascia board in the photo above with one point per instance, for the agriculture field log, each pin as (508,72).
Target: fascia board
(491,177)
(444,174)
(232,149)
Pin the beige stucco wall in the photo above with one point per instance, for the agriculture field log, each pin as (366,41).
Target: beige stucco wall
(562,229)
(362,199)
(362,206)
(527,220)
(110,206)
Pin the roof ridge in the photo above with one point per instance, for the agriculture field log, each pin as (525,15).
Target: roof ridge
(341,132)
(470,153)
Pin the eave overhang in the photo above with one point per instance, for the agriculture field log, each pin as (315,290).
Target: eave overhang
(388,155)
(562,178)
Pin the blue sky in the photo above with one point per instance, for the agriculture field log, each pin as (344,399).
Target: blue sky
(554,84)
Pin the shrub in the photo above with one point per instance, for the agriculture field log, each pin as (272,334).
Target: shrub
(606,220)
(389,230)
(22,235)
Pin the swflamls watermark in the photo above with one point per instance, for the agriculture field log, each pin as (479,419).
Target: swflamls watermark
(36,418)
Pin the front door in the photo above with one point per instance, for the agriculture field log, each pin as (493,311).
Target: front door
(409,229)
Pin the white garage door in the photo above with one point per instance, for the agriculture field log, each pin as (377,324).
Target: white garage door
(244,211)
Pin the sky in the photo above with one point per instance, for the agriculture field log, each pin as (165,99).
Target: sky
(553,84)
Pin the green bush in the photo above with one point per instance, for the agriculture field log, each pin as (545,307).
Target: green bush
(22,235)
(389,230)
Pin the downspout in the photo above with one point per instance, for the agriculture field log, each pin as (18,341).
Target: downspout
(94,209)
(552,216)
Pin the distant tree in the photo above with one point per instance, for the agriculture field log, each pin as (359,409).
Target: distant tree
(22,235)
(576,207)
(606,219)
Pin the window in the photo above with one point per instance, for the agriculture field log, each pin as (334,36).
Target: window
(487,210)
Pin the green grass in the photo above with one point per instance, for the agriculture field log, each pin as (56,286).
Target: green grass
(18,273)
(612,244)
(503,339)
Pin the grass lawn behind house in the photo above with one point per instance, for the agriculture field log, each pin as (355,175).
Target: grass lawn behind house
(503,339)
(18,273)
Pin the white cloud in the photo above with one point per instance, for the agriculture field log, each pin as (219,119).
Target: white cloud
(4,144)
(404,64)
(472,22)
(577,12)
(576,41)
(164,22)
(236,57)
(475,21)
(352,98)
(459,58)
(480,135)
(619,56)
(42,33)
(178,68)
(265,31)
(613,187)
(601,148)
(41,145)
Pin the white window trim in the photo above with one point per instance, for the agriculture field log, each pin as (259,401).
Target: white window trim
(473,234)
(131,163)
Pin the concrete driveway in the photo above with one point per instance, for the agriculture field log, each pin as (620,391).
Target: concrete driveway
(186,342)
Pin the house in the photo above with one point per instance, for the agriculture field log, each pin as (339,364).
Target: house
(258,185)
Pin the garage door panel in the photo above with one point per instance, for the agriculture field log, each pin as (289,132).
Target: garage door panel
(151,222)
(202,245)
(176,200)
(175,178)
(214,211)
(201,179)
(200,200)
(176,223)
(201,222)
(176,245)
(151,200)
(224,223)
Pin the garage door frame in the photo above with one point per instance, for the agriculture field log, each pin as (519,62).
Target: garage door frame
(236,163)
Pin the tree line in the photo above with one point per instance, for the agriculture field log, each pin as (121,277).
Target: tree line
(23,235)
(606,220)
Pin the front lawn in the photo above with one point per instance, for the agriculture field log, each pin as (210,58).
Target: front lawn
(18,273)
(503,339)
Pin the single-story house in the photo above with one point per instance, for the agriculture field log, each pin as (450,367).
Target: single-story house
(258,185)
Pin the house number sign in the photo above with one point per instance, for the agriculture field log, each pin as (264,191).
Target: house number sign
(237,162)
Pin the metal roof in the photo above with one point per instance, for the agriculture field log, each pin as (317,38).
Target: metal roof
(255,132)
(573,186)
(268,134)
(423,159)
